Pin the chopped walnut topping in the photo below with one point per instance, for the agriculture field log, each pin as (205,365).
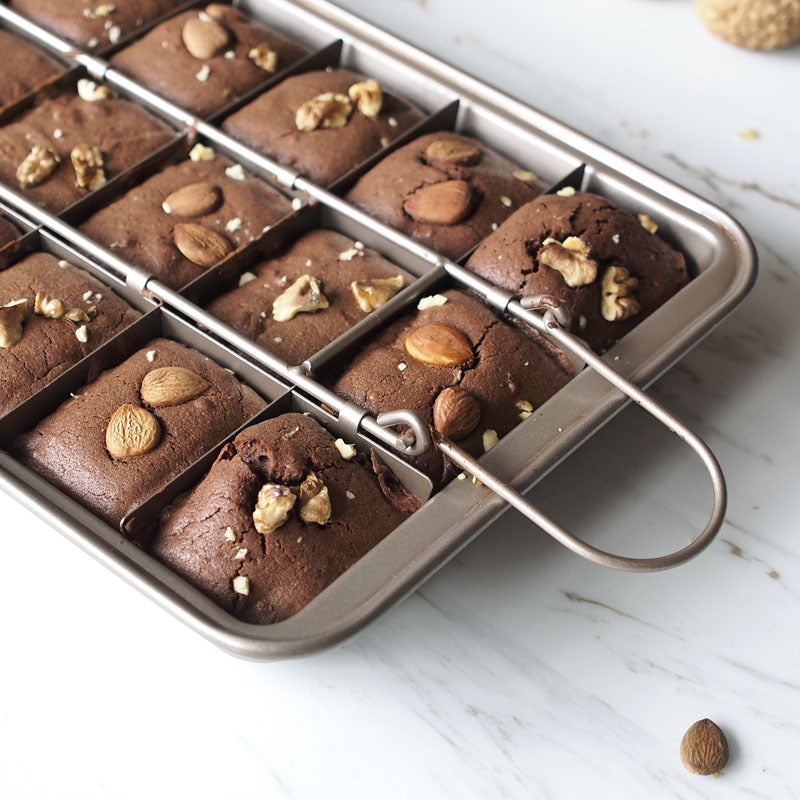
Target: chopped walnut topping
(570,258)
(328,110)
(273,507)
(647,223)
(346,450)
(230,534)
(88,164)
(11,318)
(431,301)
(490,439)
(506,201)
(37,166)
(150,355)
(245,278)
(241,585)
(376,292)
(202,153)
(525,175)
(618,301)
(368,97)
(566,191)
(82,334)
(303,296)
(241,554)
(525,408)
(262,56)
(93,92)
(204,73)
(315,503)
(235,172)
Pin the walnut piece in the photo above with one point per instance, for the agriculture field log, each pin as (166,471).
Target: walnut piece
(303,296)
(38,165)
(46,306)
(374,293)
(92,92)
(88,164)
(264,57)
(328,110)
(647,223)
(617,300)
(315,503)
(11,317)
(570,258)
(272,507)
(368,97)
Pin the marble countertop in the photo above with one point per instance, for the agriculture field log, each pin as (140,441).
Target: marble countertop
(518,670)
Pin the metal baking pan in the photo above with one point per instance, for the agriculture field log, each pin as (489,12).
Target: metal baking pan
(721,258)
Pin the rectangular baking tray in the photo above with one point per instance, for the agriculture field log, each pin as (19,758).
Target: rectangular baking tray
(721,258)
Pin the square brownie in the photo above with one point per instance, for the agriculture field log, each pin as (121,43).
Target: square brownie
(60,150)
(258,307)
(280,515)
(93,25)
(215,198)
(24,68)
(204,59)
(323,123)
(8,232)
(446,190)
(126,434)
(66,314)
(465,371)
(610,267)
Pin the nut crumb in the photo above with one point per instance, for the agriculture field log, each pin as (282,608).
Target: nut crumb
(233,225)
(431,301)
(151,355)
(349,495)
(525,408)
(87,296)
(241,585)
(114,34)
(230,534)
(567,191)
(92,92)
(235,172)
(230,55)
(462,476)
(303,296)
(297,204)
(525,175)
(748,133)
(265,58)
(241,553)
(647,223)
(82,334)
(346,451)
(245,278)
(201,152)
(203,73)
(64,264)
(494,226)
(490,439)
(392,122)
(58,133)
(506,201)
(402,366)
(615,238)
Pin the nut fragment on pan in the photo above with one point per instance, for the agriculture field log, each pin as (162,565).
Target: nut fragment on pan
(93,92)
(376,292)
(12,316)
(204,37)
(88,165)
(172,386)
(327,110)
(570,258)
(618,301)
(440,344)
(368,97)
(272,507)
(704,748)
(199,244)
(456,412)
(37,166)
(444,203)
(193,200)
(454,151)
(132,431)
(303,296)
(315,502)
(264,57)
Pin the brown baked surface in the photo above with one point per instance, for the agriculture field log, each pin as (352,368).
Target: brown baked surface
(495,192)
(69,447)
(268,125)
(124,133)
(8,232)
(24,67)
(138,229)
(161,62)
(248,308)
(68,18)
(614,236)
(290,566)
(507,367)
(49,346)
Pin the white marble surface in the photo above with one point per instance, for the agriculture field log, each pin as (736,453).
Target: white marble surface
(518,671)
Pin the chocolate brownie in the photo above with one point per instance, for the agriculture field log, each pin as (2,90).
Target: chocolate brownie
(320,124)
(122,437)
(47,151)
(24,68)
(91,24)
(211,535)
(67,314)
(447,190)
(609,266)
(8,232)
(335,263)
(494,375)
(203,60)
(221,198)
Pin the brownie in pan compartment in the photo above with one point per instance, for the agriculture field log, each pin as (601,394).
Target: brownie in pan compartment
(126,434)
(282,513)
(610,267)
(8,232)
(323,123)
(53,314)
(24,68)
(188,217)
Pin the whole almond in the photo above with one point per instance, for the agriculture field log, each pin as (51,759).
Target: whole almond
(436,343)
(456,412)
(132,431)
(445,203)
(204,38)
(171,386)
(454,151)
(704,748)
(194,200)
(199,244)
